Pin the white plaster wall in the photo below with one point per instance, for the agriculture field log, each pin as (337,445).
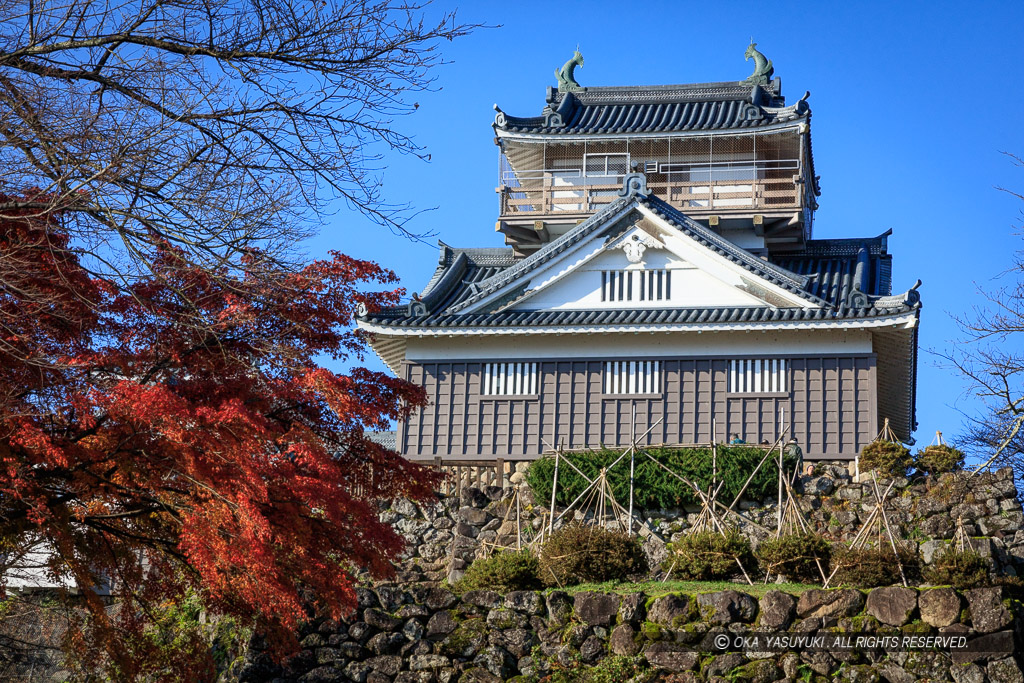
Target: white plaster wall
(691,288)
(643,344)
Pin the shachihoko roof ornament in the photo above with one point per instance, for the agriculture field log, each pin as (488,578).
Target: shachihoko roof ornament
(763,68)
(565,75)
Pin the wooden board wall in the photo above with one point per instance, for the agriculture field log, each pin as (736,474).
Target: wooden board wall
(831,404)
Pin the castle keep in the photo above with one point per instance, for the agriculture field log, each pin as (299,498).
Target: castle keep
(659,268)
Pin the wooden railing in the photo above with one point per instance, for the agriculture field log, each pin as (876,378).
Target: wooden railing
(472,473)
(721,196)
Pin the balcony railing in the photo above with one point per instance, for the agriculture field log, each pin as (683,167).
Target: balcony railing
(553,195)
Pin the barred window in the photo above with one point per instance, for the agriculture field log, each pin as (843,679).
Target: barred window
(636,285)
(632,377)
(757,375)
(509,379)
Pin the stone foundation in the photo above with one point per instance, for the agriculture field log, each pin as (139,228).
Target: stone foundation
(442,539)
(430,635)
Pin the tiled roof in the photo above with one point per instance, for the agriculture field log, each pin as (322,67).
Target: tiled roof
(832,267)
(388,439)
(825,273)
(642,316)
(654,109)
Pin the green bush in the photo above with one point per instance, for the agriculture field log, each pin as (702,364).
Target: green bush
(960,570)
(887,458)
(502,572)
(939,459)
(612,669)
(655,488)
(872,567)
(708,555)
(584,554)
(794,556)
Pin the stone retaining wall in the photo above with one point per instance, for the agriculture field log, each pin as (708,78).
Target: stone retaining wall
(443,538)
(429,635)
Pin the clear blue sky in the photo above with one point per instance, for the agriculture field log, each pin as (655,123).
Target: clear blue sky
(912,105)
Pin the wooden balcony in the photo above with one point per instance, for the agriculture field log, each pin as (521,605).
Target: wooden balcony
(551,197)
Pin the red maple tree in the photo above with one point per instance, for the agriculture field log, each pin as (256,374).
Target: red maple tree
(177,435)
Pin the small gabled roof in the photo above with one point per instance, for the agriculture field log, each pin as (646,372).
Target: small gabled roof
(657,109)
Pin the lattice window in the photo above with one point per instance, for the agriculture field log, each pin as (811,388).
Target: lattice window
(509,379)
(632,377)
(758,376)
(636,285)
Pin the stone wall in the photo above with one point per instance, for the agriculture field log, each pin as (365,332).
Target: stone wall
(427,634)
(442,539)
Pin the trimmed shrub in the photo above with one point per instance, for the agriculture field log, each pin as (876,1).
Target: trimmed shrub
(708,555)
(590,554)
(502,572)
(939,459)
(887,458)
(794,556)
(873,567)
(655,488)
(611,669)
(959,570)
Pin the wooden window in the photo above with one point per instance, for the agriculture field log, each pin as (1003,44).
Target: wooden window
(758,376)
(509,379)
(636,285)
(632,377)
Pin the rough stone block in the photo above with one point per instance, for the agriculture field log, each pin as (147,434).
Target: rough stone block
(892,605)
(669,610)
(527,602)
(987,611)
(671,657)
(440,624)
(487,599)
(939,607)
(623,641)
(830,603)
(726,607)
(776,610)
(632,608)
(596,609)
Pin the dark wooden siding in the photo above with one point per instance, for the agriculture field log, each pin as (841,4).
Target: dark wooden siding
(830,404)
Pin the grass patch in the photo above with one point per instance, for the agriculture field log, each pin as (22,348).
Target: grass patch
(657,588)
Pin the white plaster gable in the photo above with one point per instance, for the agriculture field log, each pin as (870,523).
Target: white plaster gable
(700,277)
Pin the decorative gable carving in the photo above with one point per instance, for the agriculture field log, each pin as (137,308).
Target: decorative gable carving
(636,244)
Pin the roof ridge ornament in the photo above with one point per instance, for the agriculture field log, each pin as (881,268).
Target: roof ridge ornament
(565,75)
(763,68)
(634,184)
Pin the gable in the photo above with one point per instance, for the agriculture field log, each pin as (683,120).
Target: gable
(661,280)
(646,262)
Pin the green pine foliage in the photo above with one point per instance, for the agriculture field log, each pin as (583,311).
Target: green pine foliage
(939,459)
(887,458)
(590,554)
(795,556)
(960,570)
(707,556)
(655,488)
(502,572)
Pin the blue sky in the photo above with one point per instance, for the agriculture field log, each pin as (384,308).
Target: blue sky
(912,105)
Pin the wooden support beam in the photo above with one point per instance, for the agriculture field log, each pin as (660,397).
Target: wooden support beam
(542,231)
(784,223)
(517,234)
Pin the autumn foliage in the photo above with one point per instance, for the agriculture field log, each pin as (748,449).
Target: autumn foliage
(175,433)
